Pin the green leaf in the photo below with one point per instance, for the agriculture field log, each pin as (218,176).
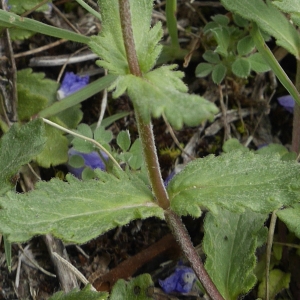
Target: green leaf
(245,45)
(203,69)
(291,7)
(76,211)
(164,92)
(258,64)
(35,92)
(103,136)
(18,147)
(123,140)
(136,159)
(85,294)
(291,217)
(139,288)
(241,67)
(222,37)
(82,145)
(267,17)
(234,145)
(230,243)
(278,282)
(235,181)
(76,161)
(219,73)
(221,20)
(55,151)
(109,44)
(20,7)
(211,56)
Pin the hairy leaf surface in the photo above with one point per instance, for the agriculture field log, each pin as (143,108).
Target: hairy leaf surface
(76,211)
(291,7)
(230,242)
(17,147)
(235,181)
(163,92)
(109,44)
(267,17)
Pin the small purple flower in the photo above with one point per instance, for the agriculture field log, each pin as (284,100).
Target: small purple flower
(287,102)
(92,160)
(70,84)
(181,281)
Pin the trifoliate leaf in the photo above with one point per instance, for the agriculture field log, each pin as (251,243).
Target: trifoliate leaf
(211,57)
(222,37)
(278,281)
(85,294)
(164,92)
(241,67)
(235,181)
(76,211)
(109,44)
(245,45)
(267,17)
(230,243)
(123,140)
(17,147)
(139,288)
(291,217)
(258,64)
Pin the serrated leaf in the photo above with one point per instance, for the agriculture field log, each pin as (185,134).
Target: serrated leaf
(230,243)
(218,73)
(139,288)
(164,92)
(76,211)
(123,140)
(18,34)
(258,64)
(109,44)
(267,17)
(203,69)
(84,294)
(55,151)
(235,181)
(278,282)
(17,147)
(245,45)
(241,67)
(291,217)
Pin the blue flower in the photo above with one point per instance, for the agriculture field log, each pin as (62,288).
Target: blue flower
(92,160)
(287,102)
(181,281)
(70,84)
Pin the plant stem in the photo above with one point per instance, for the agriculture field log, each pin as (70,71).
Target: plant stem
(296,119)
(145,130)
(152,165)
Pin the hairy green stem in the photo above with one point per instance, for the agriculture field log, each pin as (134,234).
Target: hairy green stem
(151,160)
(145,130)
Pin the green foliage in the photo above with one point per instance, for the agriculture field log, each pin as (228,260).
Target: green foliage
(233,52)
(123,140)
(291,7)
(20,7)
(291,217)
(230,242)
(84,294)
(278,281)
(76,211)
(18,147)
(267,17)
(162,89)
(139,288)
(235,181)
(164,92)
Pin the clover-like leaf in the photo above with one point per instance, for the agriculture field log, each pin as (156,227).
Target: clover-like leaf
(76,211)
(17,147)
(164,92)
(258,64)
(267,17)
(109,44)
(235,181)
(241,67)
(230,242)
